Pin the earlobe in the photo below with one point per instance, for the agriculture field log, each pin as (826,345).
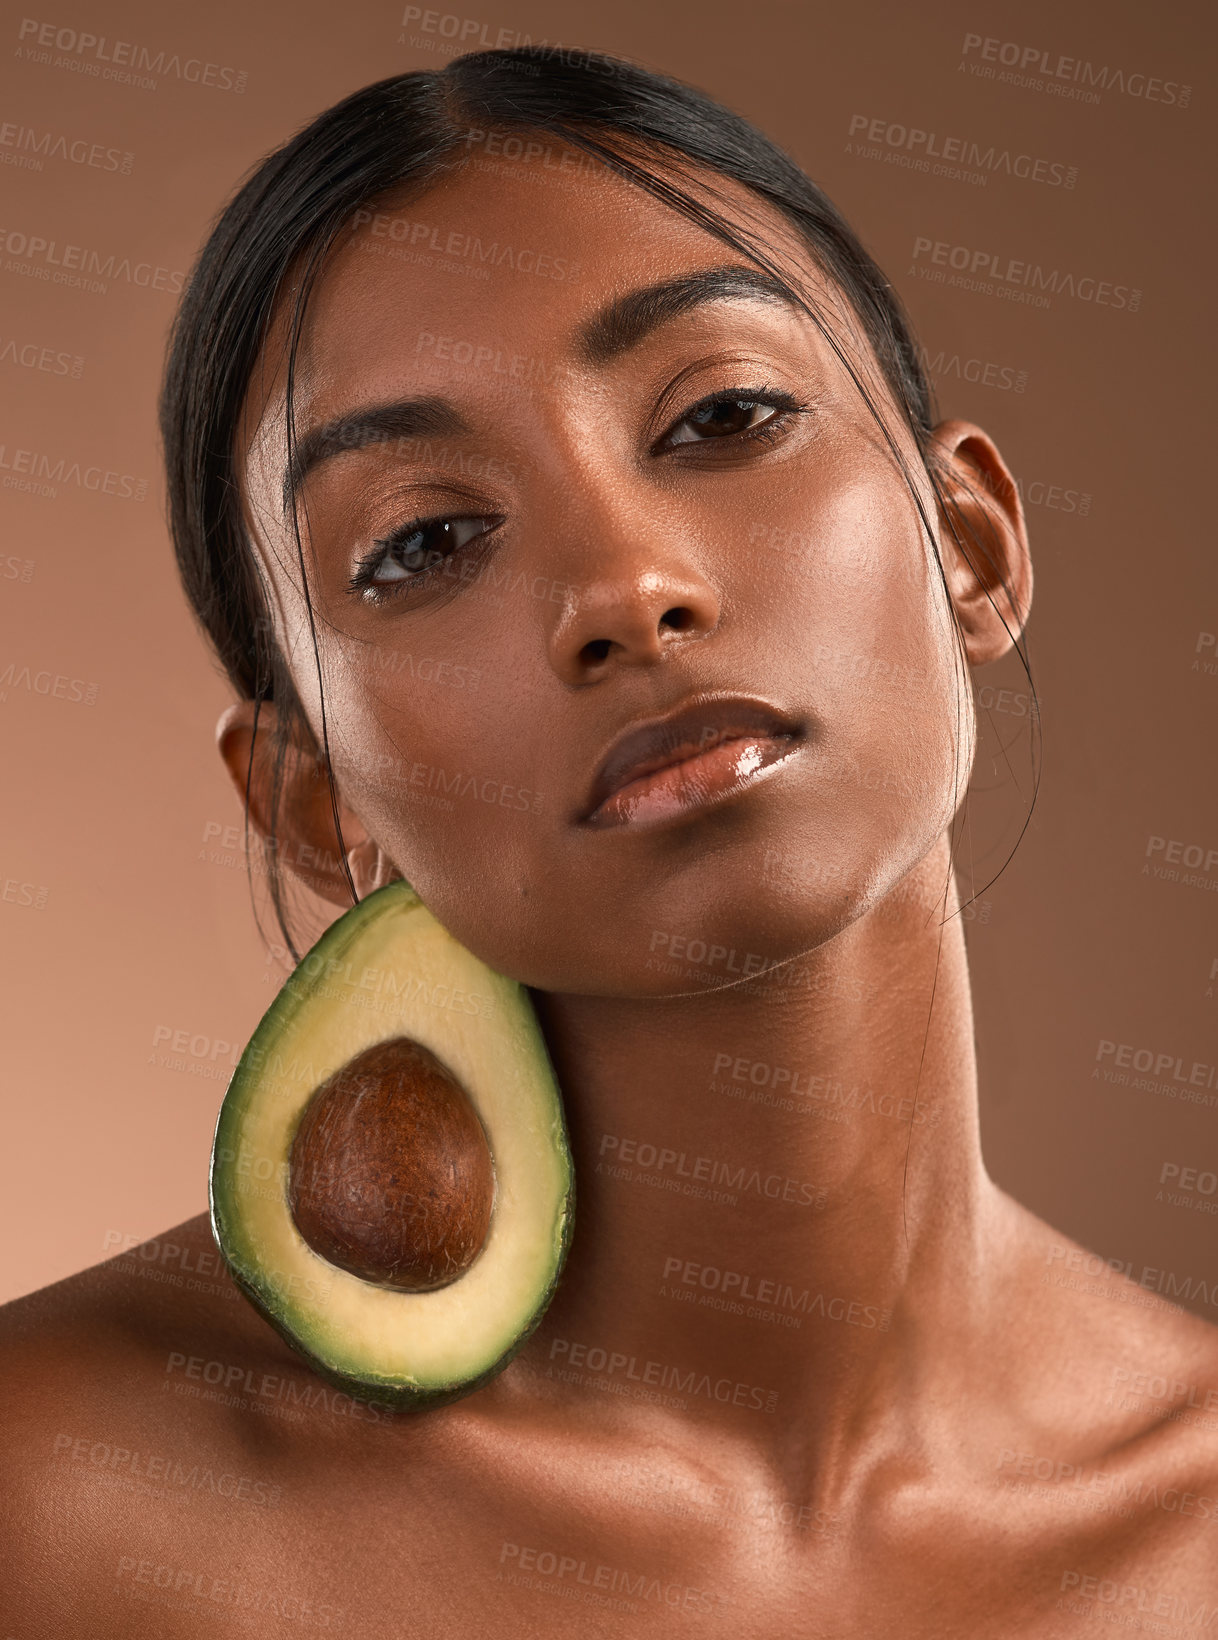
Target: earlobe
(284,782)
(235,740)
(371,868)
(983,541)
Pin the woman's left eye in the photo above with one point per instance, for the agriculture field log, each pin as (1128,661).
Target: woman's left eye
(733,414)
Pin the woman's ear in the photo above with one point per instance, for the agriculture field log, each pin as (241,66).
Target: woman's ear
(293,810)
(983,541)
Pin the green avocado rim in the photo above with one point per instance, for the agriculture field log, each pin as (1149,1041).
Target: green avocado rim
(385,1392)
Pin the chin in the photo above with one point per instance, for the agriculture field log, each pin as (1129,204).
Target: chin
(726,938)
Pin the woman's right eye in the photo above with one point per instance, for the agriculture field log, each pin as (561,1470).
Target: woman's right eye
(412,552)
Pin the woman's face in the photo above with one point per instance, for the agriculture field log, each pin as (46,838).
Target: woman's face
(617,550)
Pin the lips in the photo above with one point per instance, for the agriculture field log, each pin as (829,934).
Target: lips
(687,736)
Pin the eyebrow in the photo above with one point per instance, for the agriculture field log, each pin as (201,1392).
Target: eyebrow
(621,324)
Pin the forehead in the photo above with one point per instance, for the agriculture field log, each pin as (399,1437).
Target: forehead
(486,275)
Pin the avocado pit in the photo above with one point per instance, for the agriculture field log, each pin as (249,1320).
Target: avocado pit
(390,1174)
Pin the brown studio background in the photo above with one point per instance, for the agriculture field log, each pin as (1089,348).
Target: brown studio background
(132,967)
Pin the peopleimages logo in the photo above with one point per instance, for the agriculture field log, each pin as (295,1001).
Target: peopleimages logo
(40,474)
(33,145)
(1008,276)
(1027,63)
(980,372)
(662,1375)
(471,32)
(924,146)
(79,266)
(39,356)
(461,246)
(126,61)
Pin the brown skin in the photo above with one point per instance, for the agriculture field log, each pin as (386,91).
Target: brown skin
(953,1356)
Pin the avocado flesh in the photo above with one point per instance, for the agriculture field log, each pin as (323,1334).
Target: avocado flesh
(388,969)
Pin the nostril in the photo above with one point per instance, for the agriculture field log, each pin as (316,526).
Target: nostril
(596,650)
(678,618)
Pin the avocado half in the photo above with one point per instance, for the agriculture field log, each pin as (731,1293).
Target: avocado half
(385,971)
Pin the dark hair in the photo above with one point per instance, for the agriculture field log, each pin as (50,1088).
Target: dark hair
(406,132)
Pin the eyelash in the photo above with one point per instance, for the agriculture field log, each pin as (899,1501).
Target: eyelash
(786,406)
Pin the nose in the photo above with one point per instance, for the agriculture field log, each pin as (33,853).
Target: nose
(635,585)
(645,594)
(633,616)
(630,620)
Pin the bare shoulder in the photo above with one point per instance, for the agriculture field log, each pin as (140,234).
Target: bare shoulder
(94,1361)
(106,1338)
(122,1458)
(170,1466)
(1120,1336)
(1121,1421)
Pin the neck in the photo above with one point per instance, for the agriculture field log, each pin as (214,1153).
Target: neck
(780,1183)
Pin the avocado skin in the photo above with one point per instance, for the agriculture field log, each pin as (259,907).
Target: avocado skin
(385,1393)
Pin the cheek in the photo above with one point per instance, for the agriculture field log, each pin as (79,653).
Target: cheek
(424,753)
(855,595)
(853,598)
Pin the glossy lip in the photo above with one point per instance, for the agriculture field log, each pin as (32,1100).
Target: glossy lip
(761,734)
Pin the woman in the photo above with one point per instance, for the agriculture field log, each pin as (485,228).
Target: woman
(540,419)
